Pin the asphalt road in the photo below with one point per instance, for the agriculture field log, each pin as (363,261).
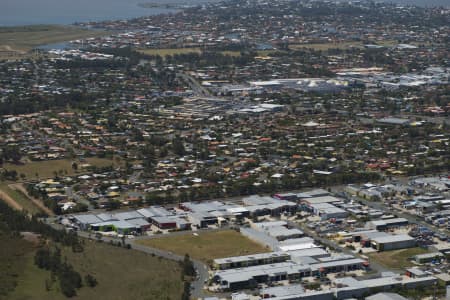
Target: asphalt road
(195,86)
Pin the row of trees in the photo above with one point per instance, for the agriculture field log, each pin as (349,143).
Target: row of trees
(246,186)
(15,222)
(187,272)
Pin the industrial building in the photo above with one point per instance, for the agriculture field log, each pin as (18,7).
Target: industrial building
(241,278)
(250,260)
(387,223)
(392,242)
(328,211)
(427,257)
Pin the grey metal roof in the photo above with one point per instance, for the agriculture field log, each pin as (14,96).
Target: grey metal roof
(243,258)
(392,238)
(386,296)
(127,215)
(87,219)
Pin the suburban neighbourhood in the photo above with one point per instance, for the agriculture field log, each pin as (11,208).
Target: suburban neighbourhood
(239,150)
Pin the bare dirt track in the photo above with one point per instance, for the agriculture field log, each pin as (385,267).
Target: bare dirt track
(10,201)
(37,202)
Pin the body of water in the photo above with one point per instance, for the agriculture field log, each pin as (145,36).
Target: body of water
(32,12)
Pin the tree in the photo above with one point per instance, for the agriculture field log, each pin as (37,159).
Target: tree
(177,146)
(186,291)
(188,266)
(90,280)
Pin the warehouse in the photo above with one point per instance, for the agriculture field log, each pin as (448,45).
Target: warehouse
(242,278)
(127,215)
(321,199)
(297,244)
(121,227)
(261,206)
(278,230)
(328,211)
(282,233)
(294,292)
(154,211)
(335,266)
(250,260)
(202,219)
(260,237)
(315,253)
(392,242)
(286,196)
(427,257)
(349,287)
(248,277)
(140,223)
(84,221)
(164,222)
(386,224)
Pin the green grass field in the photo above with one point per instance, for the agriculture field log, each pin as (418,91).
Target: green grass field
(167,51)
(121,274)
(46,169)
(24,38)
(207,245)
(396,259)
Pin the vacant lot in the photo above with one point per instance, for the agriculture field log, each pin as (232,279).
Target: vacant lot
(24,38)
(171,51)
(121,274)
(207,245)
(396,259)
(47,169)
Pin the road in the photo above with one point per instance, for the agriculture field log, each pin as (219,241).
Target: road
(195,86)
(135,176)
(71,194)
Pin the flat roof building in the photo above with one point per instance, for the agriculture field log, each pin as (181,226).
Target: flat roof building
(392,242)
(250,260)
(388,223)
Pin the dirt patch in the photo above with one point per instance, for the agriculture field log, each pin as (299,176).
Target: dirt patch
(10,201)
